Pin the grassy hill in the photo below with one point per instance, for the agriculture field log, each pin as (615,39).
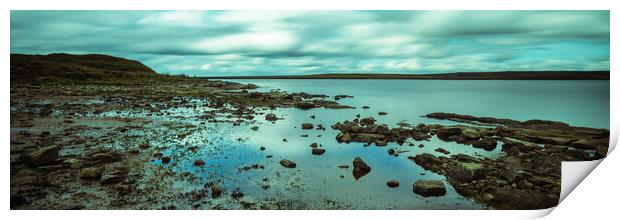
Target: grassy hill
(60,66)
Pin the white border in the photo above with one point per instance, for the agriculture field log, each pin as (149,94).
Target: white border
(605,174)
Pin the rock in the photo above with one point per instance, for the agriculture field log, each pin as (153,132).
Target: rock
(318,151)
(254,128)
(44,156)
(365,107)
(511,175)
(471,134)
(421,145)
(360,168)
(93,173)
(287,163)
(344,166)
(393,183)
(165,160)
(381,143)
(445,133)
(262,148)
(524,184)
(307,126)
(382,113)
(443,151)
(391,151)
(314,145)
(420,136)
(144,146)
(216,191)
(199,163)
(428,188)
(237,194)
(367,121)
(305,105)
(591,144)
(284,140)
(346,137)
(113,175)
(486,144)
(369,138)
(465,172)
(382,129)
(271,117)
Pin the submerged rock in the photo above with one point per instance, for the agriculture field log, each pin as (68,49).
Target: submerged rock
(287,163)
(360,168)
(428,188)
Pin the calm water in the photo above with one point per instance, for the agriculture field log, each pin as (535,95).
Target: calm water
(319,183)
(580,103)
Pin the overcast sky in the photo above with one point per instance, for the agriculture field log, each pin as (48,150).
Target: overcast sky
(307,42)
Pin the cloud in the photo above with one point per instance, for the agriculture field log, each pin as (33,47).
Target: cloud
(305,42)
(248,42)
(174,18)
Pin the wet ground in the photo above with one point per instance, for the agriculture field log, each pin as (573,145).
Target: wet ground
(120,148)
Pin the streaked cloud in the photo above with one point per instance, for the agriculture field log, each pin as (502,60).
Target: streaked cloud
(304,42)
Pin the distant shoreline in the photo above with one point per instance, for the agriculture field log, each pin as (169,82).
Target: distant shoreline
(513,75)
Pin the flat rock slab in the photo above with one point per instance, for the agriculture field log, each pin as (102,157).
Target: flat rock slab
(428,188)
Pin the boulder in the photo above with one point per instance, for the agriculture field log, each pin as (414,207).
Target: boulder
(44,156)
(382,129)
(486,144)
(443,151)
(444,133)
(367,121)
(114,175)
(199,163)
(271,117)
(307,126)
(471,134)
(380,143)
(287,163)
(165,160)
(428,188)
(305,105)
(368,138)
(318,151)
(346,137)
(465,172)
(393,183)
(216,191)
(93,173)
(360,168)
